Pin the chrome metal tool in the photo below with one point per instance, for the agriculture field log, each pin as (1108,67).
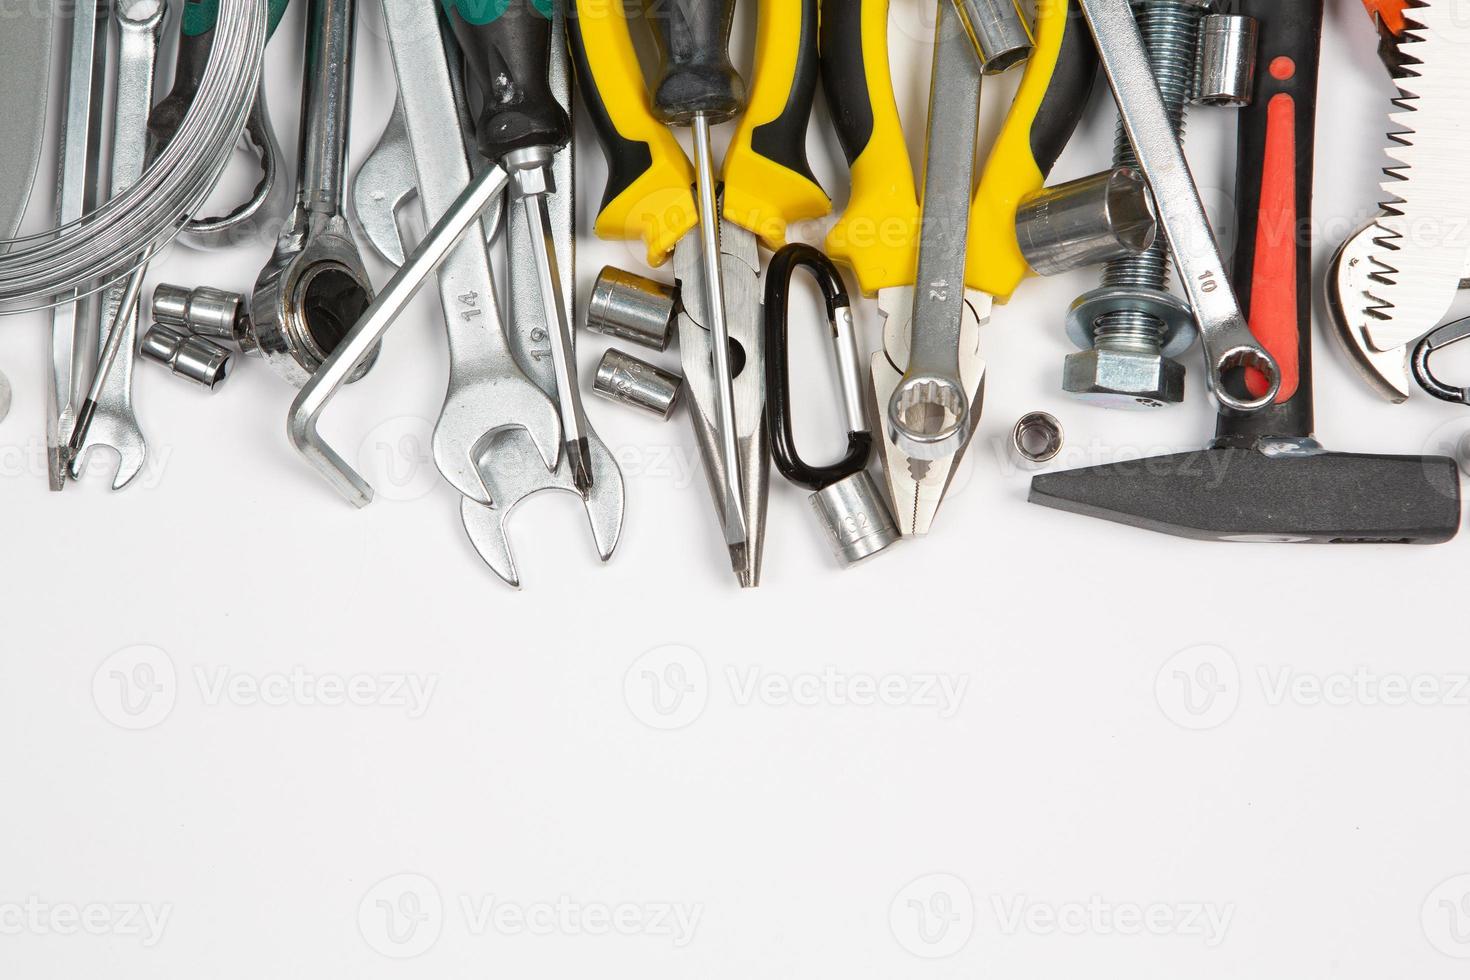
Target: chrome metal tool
(111,422)
(72,348)
(508,465)
(488,390)
(1227,339)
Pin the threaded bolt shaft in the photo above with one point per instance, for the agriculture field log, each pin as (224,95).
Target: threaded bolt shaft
(1170,30)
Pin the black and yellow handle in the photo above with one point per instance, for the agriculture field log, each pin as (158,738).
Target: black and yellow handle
(1049,104)
(649,192)
(768,182)
(878,234)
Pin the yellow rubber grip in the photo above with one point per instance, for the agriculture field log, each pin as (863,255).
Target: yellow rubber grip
(768,183)
(1013,172)
(649,194)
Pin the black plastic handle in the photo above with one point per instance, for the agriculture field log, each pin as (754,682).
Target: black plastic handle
(778,368)
(1067,97)
(1272,269)
(696,77)
(508,51)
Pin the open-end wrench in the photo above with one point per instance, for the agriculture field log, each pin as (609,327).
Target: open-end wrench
(71,348)
(1227,339)
(113,424)
(315,287)
(509,465)
(488,391)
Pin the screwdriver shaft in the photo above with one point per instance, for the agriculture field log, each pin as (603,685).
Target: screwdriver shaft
(736,533)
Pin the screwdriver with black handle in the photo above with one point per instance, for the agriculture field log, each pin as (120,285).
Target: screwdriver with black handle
(507,48)
(700,88)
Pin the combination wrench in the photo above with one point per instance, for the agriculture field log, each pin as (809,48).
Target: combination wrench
(112,423)
(1227,339)
(315,287)
(71,343)
(508,465)
(488,391)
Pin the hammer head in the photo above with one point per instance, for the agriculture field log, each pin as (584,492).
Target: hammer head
(1233,493)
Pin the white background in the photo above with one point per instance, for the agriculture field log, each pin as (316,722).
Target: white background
(1130,743)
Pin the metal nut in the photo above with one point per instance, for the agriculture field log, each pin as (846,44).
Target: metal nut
(1116,379)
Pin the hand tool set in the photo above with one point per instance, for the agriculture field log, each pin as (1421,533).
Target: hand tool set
(479,147)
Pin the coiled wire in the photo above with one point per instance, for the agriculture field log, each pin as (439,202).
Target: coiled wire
(108,244)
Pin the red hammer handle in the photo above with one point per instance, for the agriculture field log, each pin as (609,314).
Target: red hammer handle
(1273,256)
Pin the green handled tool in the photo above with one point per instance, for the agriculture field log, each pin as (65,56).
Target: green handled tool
(507,48)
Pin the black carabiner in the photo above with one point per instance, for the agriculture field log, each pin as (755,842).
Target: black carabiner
(778,369)
(1439,337)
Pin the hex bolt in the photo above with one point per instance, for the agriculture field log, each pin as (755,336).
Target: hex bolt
(1130,330)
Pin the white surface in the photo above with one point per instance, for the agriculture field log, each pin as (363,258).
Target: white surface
(1063,773)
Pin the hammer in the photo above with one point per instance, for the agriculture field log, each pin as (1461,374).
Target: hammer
(1265,478)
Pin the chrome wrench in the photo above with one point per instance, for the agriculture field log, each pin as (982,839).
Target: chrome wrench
(71,346)
(315,287)
(488,391)
(508,466)
(113,422)
(929,411)
(1227,340)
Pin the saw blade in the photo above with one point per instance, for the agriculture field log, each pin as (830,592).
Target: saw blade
(1423,240)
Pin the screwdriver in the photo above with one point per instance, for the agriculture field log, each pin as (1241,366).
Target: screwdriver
(507,46)
(699,88)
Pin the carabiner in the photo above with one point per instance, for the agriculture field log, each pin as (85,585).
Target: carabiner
(778,369)
(1440,337)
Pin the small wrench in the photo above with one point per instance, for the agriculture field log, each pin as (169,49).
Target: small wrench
(488,391)
(113,424)
(508,466)
(1227,340)
(71,344)
(315,287)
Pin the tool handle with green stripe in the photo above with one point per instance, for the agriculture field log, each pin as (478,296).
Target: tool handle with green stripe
(196,40)
(507,48)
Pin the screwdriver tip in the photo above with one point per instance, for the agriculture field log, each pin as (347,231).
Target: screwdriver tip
(580,455)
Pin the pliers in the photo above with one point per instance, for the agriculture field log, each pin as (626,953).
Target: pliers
(767,184)
(879,237)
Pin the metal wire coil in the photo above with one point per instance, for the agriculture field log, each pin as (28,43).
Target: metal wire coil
(106,245)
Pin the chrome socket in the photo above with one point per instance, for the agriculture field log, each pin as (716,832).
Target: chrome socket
(856,518)
(194,359)
(633,308)
(625,379)
(1225,73)
(1087,222)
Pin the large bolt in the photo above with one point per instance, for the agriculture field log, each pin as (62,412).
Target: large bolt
(1131,329)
